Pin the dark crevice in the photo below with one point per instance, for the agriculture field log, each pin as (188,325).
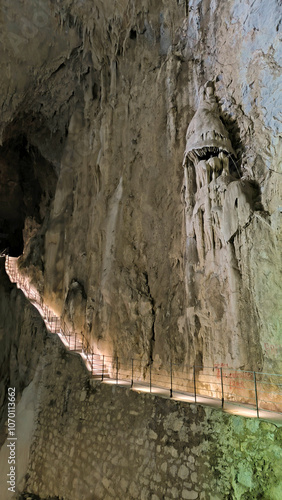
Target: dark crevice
(27,185)
(152,301)
(63,65)
(132,34)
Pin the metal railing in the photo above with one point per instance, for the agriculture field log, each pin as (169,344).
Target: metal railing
(256,390)
(73,340)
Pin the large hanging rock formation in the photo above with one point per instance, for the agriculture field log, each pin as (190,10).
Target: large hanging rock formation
(218,211)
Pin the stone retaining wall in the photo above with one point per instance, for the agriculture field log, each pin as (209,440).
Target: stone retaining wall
(97,441)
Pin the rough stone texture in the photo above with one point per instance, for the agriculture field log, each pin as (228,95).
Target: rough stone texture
(99,94)
(80,439)
(22,339)
(118,224)
(97,441)
(20,326)
(106,91)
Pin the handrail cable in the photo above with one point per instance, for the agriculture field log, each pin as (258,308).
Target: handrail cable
(224,384)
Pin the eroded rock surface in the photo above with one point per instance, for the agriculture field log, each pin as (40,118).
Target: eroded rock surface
(22,341)
(78,438)
(93,440)
(106,91)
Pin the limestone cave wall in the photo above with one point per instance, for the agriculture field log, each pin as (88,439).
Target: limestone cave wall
(105,91)
(80,439)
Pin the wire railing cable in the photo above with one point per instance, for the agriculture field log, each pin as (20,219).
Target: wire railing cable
(255,390)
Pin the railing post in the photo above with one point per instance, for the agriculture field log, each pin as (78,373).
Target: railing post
(256,393)
(103,367)
(75,334)
(195,389)
(92,369)
(132,360)
(117,372)
(151,376)
(170,392)
(222,393)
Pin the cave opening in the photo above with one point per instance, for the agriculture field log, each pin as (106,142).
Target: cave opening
(27,186)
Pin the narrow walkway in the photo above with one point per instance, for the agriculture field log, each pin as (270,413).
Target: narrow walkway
(232,391)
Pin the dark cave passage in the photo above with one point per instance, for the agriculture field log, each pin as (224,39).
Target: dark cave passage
(27,185)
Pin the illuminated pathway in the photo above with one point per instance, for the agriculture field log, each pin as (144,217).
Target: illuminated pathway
(248,394)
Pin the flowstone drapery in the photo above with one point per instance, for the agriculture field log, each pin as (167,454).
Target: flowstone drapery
(219,209)
(219,205)
(206,134)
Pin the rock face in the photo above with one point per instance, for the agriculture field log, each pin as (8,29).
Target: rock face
(22,340)
(103,441)
(218,212)
(137,251)
(20,325)
(80,439)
